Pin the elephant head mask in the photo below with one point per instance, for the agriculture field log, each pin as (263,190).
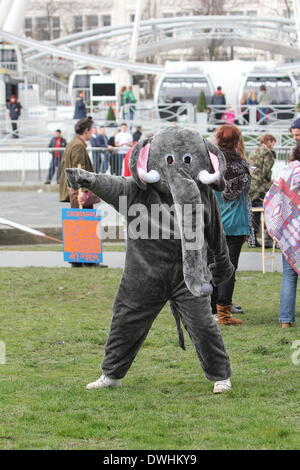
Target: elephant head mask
(180,162)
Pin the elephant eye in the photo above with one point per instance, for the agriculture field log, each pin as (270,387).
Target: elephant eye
(170,159)
(187,158)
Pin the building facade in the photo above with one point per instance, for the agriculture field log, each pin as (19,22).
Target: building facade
(51,19)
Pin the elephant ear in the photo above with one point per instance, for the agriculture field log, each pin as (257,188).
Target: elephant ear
(139,159)
(217,161)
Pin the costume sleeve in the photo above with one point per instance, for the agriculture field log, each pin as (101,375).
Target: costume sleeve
(110,188)
(115,190)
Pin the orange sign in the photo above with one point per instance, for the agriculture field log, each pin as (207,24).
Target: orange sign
(81,235)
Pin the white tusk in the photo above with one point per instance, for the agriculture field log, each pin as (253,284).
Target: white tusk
(208,178)
(151,177)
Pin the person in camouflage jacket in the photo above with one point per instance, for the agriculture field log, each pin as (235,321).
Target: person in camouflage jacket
(263,158)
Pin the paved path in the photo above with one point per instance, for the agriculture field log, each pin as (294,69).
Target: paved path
(248,261)
(42,209)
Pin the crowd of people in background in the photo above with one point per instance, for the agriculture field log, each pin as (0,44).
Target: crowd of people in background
(223,114)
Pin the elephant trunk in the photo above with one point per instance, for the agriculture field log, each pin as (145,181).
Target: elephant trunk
(190,217)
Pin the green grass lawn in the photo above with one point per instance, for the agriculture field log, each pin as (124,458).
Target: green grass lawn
(54,323)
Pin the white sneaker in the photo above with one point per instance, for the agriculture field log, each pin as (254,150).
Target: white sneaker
(104,382)
(222,386)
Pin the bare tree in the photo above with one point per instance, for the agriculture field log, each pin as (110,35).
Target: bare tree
(209,8)
(54,17)
(289,7)
(150,9)
(289,10)
(45,23)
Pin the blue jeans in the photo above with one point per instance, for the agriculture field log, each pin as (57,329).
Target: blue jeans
(104,162)
(96,155)
(288,293)
(54,165)
(263,115)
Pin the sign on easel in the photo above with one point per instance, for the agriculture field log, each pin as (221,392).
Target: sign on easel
(81,236)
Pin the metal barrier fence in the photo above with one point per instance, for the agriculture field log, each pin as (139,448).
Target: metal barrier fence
(253,117)
(42,121)
(31,165)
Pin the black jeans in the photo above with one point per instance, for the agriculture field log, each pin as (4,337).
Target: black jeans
(256,221)
(258,202)
(222,295)
(15,132)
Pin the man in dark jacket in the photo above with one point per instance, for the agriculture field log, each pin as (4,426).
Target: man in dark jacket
(14,113)
(219,102)
(80,109)
(57,142)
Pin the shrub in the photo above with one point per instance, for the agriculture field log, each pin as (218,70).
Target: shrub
(201,106)
(110,114)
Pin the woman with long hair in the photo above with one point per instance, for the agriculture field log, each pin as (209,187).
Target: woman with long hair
(235,209)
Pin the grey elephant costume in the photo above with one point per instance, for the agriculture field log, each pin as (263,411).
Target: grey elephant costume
(178,168)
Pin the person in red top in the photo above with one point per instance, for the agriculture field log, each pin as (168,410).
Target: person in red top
(126,168)
(57,142)
(218,102)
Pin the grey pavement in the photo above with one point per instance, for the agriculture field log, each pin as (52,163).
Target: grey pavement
(248,261)
(42,209)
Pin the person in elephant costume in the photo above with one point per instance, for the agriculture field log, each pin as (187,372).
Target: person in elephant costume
(173,176)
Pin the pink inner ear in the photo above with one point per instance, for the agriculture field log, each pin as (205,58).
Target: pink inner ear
(214,160)
(143,159)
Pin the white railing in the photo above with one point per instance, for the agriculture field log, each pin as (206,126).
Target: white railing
(9,65)
(52,92)
(252,116)
(31,165)
(43,120)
